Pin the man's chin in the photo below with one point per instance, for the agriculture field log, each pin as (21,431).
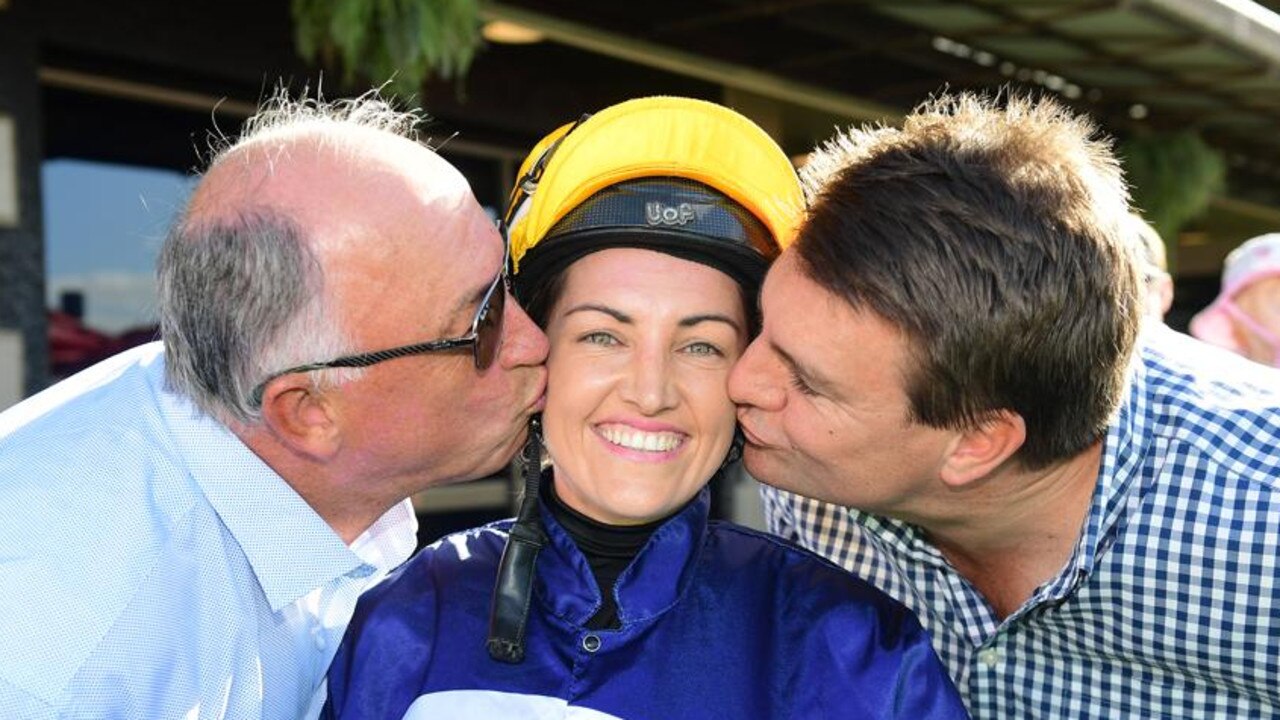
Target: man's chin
(770,467)
(510,451)
(760,465)
(498,460)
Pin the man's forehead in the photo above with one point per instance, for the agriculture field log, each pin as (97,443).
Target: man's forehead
(793,307)
(817,330)
(787,281)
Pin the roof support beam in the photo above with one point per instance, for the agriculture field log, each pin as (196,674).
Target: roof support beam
(1244,25)
(649,54)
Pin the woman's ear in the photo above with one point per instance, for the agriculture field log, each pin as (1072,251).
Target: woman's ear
(977,452)
(301,418)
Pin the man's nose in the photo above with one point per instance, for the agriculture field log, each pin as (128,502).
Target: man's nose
(752,383)
(524,342)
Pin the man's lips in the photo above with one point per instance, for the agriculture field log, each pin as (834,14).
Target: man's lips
(539,401)
(752,438)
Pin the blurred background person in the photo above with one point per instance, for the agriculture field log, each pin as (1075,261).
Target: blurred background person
(1245,317)
(1157,284)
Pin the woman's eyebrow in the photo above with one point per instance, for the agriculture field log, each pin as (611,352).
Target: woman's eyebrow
(611,312)
(710,317)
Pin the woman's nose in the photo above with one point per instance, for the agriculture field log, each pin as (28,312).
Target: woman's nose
(649,384)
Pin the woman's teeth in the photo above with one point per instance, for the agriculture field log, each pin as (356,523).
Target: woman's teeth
(640,440)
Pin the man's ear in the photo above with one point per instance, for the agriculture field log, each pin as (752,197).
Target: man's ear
(300,417)
(977,452)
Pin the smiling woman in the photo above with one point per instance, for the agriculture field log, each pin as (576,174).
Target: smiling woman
(639,237)
(641,346)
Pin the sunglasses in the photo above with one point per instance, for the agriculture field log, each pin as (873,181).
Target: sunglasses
(484,337)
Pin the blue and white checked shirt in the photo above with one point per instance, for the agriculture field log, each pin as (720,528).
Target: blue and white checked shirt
(152,567)
(1170,605)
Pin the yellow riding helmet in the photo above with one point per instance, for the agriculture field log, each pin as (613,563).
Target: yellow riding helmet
(682,176)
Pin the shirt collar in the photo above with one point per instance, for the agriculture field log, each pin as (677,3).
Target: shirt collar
(1127,443)
(649,586)
(290,548)
(390,540)
(908,539)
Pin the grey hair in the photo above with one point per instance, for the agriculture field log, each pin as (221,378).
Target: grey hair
(281,113)
(240,299)
(241,294)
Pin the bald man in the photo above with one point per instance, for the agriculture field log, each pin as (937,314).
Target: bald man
(184,528)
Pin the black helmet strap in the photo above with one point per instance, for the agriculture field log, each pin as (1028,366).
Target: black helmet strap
(528,183)
(513,591)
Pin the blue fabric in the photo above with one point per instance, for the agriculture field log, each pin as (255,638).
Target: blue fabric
(1170,605)
(151,566)
(717,622)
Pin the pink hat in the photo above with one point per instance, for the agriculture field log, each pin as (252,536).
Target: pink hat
(1256,259)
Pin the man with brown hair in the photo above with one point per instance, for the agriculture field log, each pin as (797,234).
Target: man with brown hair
(1086,519)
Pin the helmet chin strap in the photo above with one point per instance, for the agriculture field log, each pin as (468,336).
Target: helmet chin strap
(735,447)
(513,591)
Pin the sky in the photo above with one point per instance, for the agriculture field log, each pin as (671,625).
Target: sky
(103,226)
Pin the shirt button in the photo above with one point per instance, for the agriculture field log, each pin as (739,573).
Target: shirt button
(591,643)
(989,657)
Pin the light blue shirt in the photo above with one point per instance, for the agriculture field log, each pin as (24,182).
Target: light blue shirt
(151,566)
